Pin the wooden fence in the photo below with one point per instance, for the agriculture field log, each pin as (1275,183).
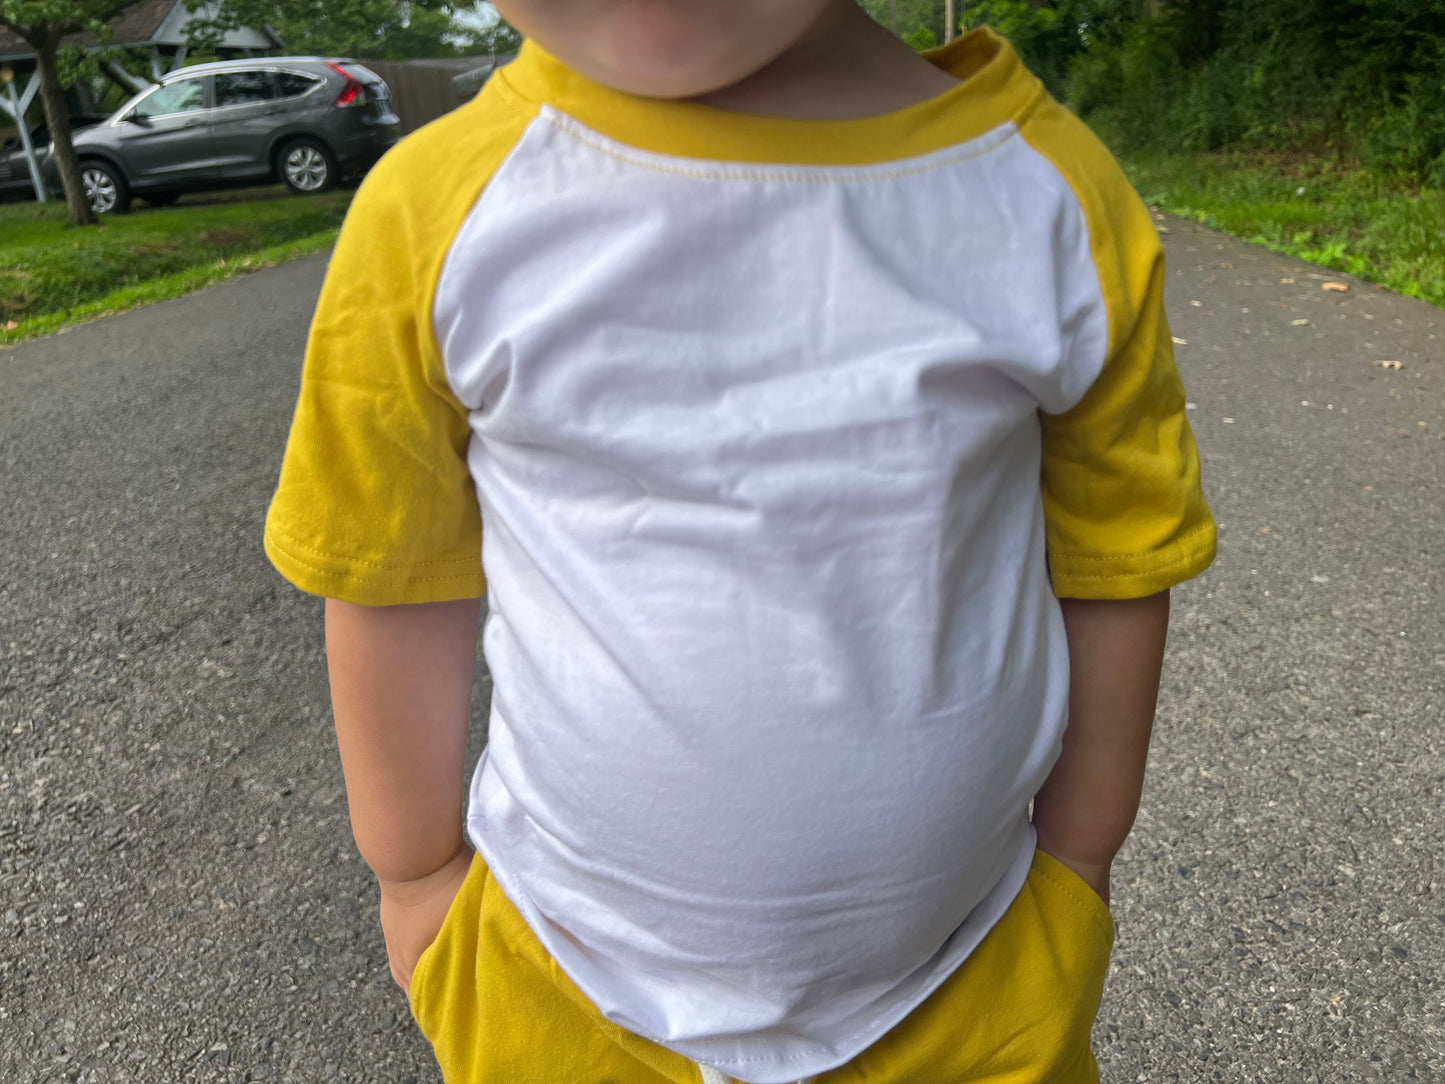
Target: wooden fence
(422,90)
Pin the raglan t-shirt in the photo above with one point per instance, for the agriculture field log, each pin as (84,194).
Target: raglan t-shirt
(772,445)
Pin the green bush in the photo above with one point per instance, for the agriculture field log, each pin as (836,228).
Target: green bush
(922,40)
(1156,98)
(1409,134)
(1049,37)
(1364,78)
(1354,79)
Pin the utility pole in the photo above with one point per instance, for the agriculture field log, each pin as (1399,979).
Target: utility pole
(893,16)
(949,22)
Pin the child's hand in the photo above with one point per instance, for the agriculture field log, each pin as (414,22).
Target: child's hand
(412,913)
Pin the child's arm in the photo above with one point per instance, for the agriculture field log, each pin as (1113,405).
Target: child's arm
(1087,805)
(401,686)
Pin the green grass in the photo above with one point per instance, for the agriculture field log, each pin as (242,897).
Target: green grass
(1375,226)
(53,275)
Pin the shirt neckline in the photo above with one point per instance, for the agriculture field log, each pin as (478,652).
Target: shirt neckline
(993,88)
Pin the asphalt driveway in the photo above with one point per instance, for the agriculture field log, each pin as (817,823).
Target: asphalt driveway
(179,895)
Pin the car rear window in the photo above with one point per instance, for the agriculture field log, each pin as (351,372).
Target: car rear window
(294,84)
(243,88)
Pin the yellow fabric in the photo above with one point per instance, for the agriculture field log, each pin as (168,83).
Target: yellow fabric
(994,88)
(375,504)
(1124,509)
(496,1007)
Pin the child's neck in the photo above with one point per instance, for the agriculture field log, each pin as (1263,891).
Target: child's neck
(847,67)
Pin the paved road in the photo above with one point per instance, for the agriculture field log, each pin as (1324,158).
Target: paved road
(179,899)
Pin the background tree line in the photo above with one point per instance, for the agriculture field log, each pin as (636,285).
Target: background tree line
(366,29)
(1363,78)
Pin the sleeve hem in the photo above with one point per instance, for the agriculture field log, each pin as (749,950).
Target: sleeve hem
(1099,576)
(366,583)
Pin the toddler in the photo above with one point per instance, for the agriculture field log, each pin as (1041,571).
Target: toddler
(804,410)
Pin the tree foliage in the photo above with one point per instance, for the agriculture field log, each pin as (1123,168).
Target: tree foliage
(1363,77)
(43,23)
(366,29)
(1050,36)
(915,21)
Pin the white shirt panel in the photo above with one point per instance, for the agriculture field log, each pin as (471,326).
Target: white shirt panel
(777,664)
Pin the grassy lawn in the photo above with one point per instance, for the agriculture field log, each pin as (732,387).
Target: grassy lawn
(53,275)
(1376,227)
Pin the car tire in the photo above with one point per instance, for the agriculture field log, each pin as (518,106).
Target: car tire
(105,187)
(307,167)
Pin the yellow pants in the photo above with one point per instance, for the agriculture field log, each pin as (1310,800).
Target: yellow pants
(498,1010)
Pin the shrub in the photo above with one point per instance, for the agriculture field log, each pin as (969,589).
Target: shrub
(922,39)
(1050,37)
(1362,77)
(1409,134)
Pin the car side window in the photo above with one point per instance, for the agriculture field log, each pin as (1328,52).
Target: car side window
(294,84)
(182,96)
(243,88)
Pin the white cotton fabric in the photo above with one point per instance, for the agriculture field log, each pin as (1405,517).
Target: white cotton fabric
(777,664)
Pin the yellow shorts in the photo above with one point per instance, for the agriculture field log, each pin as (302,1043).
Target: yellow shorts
(498,1010)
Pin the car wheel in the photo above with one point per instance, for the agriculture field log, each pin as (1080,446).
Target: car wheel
(105,188)
(308,166)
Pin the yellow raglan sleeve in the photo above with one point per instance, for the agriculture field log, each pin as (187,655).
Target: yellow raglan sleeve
(375,503)
(1124,510)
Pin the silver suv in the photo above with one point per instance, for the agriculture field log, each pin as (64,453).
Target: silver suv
(306,121)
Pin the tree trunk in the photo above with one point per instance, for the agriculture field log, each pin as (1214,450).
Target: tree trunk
(57,117)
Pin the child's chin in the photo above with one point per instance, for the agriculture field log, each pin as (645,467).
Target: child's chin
(667,62)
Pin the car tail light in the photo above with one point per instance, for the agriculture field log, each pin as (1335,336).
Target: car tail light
(353,94)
